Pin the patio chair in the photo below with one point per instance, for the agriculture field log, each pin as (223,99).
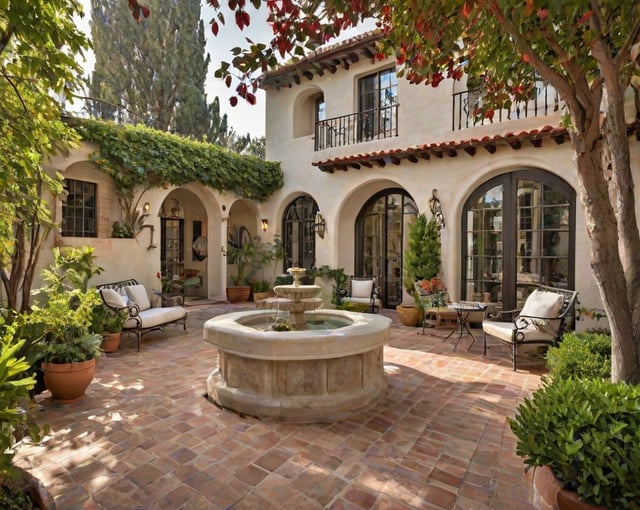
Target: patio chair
(363,290)
(546,315)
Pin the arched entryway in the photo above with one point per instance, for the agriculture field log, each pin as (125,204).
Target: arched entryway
(518,231)
(381,238)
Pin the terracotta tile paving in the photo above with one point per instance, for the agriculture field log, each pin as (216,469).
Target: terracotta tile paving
(145,438)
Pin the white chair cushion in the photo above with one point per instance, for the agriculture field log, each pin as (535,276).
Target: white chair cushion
(112,298)
(504,332)
(361,288)
(138,294)
(542,303)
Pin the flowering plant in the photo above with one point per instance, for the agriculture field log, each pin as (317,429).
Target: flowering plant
(432,292)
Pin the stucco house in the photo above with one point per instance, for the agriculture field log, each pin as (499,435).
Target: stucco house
(363,152)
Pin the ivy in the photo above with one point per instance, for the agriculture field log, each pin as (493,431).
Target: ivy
(140,156)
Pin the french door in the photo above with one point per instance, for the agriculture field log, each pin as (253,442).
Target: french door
(382,237)
(518,232)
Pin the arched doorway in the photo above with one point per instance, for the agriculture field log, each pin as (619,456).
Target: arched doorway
(298,233)
(381,238)
(518,231)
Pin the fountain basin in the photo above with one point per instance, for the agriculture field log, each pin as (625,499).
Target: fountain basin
(306,375)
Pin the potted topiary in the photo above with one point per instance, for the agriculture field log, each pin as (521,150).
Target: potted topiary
(421,261)
(584,433)
(64,313)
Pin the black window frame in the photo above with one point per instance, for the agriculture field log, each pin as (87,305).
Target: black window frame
(79,209)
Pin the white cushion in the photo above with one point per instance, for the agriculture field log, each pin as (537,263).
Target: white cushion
(158,316)
(112,298)
(361,288)
(543,304)
(138,294)
(504,332)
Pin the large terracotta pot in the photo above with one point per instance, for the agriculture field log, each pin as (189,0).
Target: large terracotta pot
(111,341)
(238,293)
(548,493)
(409,315)
(67,382)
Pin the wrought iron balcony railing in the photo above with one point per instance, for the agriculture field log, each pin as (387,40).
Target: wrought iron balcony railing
(465,103)
(357,127)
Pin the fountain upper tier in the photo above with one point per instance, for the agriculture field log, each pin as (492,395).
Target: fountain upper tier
(297,292)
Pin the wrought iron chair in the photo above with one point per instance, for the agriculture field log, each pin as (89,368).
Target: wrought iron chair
(363,290)
(546,315)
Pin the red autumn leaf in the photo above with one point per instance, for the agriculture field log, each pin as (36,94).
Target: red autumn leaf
(233,100)
(466,9)
(215,28)
(251,99)
(543,13)
(227,80)
(526,58)
(145,11)
(245,18)
(585,17)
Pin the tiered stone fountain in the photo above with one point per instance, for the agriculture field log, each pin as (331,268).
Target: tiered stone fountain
(304,374)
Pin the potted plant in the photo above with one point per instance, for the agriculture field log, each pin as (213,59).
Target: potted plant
(108,322)
(584,433)
(261,289)
(422,260)
(18,488)
(64,316)
(248,257)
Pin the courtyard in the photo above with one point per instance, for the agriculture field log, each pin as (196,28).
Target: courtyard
(146,437)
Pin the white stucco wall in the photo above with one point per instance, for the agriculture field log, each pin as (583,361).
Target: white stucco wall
(424,118)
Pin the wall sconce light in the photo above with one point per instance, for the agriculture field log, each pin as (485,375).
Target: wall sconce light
(146,208)
(436,209)
(264,224)
(320,225)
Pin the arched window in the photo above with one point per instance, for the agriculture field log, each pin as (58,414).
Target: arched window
(299,238)
(518,231)
(381,238)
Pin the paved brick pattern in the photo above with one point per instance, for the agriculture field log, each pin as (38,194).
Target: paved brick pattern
(145,437)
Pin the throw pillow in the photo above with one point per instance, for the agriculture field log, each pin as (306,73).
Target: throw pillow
(541,307)
(361,288)
(139,296)
(112,298)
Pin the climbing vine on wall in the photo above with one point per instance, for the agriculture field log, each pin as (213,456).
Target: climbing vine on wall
(139,156)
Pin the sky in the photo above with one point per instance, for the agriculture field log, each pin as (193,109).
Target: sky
(243,118)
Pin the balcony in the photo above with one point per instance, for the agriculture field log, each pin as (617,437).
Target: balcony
(357,127)
(545,102)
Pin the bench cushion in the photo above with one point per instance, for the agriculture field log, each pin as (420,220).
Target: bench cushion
(153,317)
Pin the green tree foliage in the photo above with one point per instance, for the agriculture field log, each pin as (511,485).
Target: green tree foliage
(39,68)
(152,71)
(586,49)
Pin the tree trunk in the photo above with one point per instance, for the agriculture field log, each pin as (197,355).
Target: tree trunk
(606,263)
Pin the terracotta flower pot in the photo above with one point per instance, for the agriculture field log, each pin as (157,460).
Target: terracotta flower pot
(548,493)
(238,293)
(409,315)
(67,382)
(111,341)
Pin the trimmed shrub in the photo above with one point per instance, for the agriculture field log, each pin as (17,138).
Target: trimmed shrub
(588,432)
(581,355)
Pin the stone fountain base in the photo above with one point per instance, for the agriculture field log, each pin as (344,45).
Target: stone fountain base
(301,376)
